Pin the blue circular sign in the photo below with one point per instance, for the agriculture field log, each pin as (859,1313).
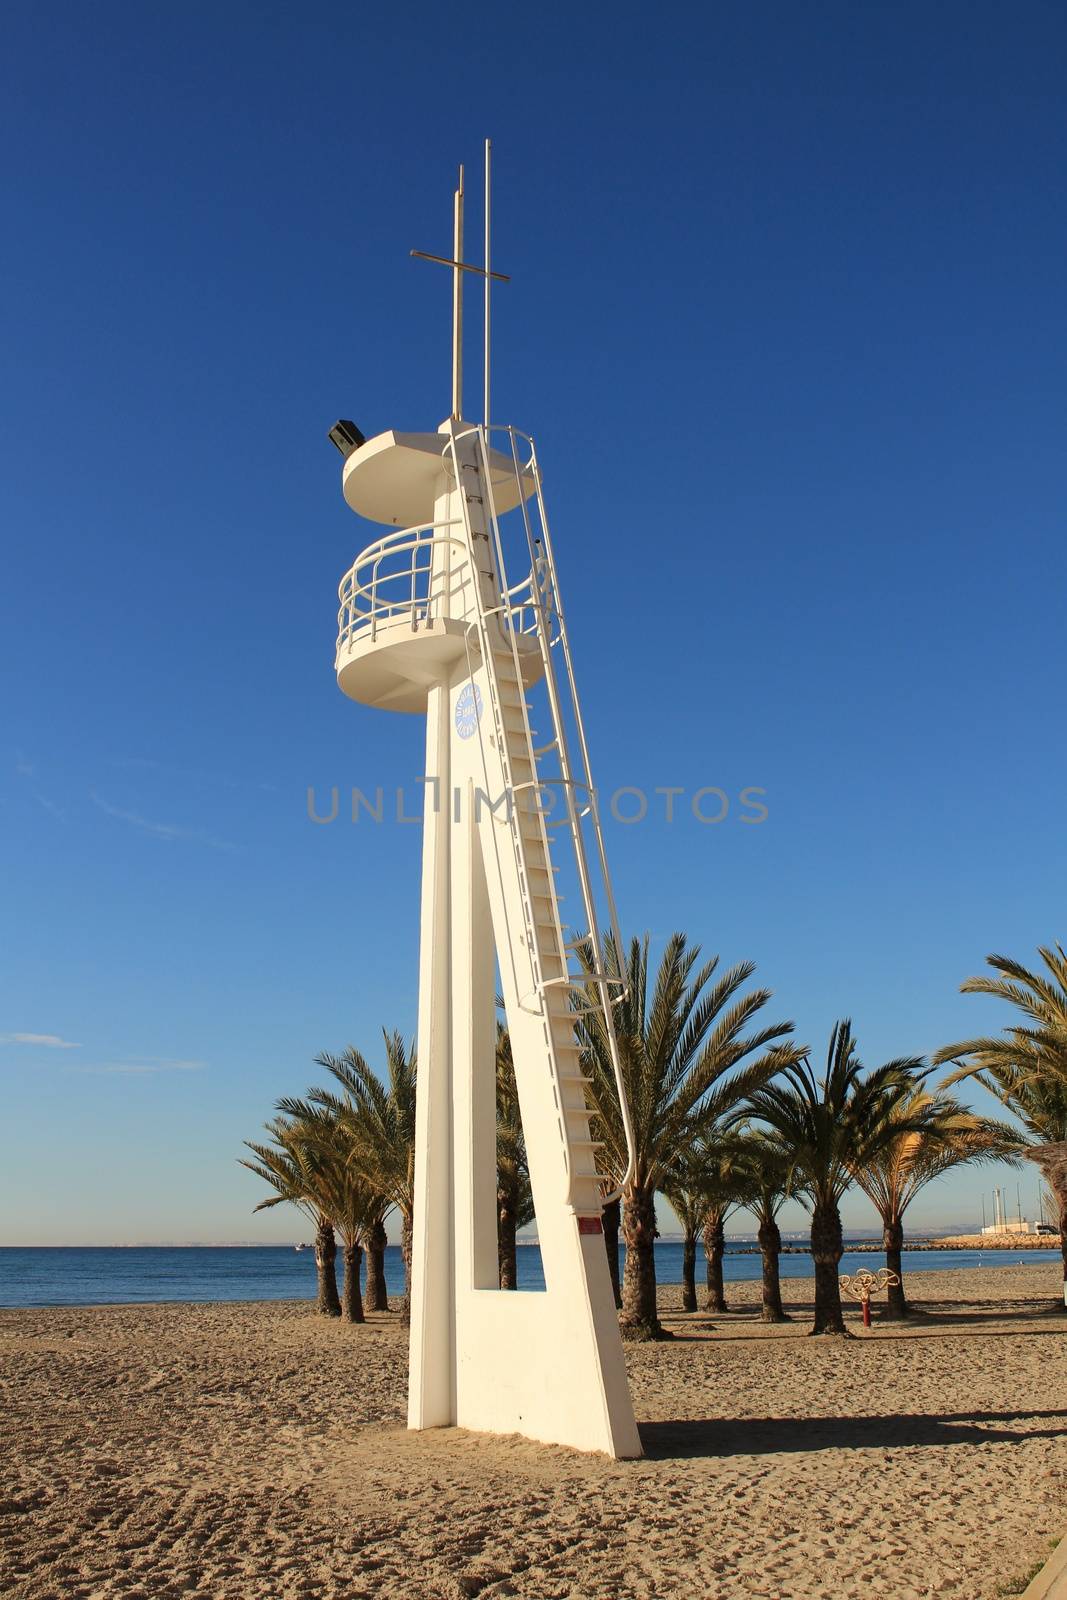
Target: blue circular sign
(468,710)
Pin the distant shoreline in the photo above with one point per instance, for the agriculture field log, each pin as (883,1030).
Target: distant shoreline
(742,1246)
(88,1275)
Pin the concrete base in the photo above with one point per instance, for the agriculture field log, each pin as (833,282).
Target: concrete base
(1051,1581)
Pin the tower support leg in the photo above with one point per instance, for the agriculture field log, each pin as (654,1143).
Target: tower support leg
(432,1356)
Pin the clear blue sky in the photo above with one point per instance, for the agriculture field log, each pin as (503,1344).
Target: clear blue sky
(788,322)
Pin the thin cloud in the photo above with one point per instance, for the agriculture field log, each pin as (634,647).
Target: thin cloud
(171,1063)
(199,775)
(27,770)
(47,1041)
(143,1066)
(169,831)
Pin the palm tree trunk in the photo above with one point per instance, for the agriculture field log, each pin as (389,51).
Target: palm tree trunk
(1059,1193)
(689,1270)
(897,1307)
(639,1316)
(770,1243)
(827,1248)
(326,1268)
(407,1234)
(377,1291)
(507,1258)
(351,1299)
(611,1222)
(714,1249)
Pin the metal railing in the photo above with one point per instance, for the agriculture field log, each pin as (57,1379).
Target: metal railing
(415,575)
(398,578)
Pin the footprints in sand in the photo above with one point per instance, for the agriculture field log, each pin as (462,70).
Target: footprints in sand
(259,1453)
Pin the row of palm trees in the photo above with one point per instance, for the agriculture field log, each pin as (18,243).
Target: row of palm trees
(814,1138)
(727,1112)
(345,1157)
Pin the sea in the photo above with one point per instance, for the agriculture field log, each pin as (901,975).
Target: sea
(87,1275)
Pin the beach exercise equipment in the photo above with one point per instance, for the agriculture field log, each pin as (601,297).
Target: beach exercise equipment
(455,614)
(862,1284)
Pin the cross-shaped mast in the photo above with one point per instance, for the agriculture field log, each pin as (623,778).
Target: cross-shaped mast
(459,267)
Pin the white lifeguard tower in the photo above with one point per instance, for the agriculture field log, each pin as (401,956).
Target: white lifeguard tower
(433,622)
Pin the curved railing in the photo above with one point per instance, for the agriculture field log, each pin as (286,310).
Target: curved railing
(414,575)
(395,579)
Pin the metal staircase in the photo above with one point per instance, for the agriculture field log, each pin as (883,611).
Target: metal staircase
(565,975)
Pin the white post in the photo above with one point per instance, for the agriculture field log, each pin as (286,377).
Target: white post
(432,1357)
(488,155)
(457,302)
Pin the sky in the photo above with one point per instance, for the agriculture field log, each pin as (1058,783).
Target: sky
(787,320)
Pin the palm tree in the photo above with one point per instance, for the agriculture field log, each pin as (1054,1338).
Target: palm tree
(703,1185)
(381,1119)
(1037,1049)
(286,1167)
(1052,1159)
(377,1295)
(832,1127)
(321,1152)
(514,1197)
(686,1060)
(1025,1067)
(952,1137)
(328,1152)
(684,1184)
(766,1191)
(611,1222)
(725,1191)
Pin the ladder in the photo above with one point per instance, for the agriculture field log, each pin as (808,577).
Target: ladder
(565,976)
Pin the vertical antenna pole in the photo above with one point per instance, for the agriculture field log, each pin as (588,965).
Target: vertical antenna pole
(488,156)
(457,304)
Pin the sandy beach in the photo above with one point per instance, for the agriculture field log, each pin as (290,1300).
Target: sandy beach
(257,1452)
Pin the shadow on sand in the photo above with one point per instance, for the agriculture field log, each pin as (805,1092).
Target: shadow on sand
(969,1316)
(756,1436)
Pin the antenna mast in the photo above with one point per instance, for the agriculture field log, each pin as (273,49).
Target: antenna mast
(457,302)
(488,280)
(459,266)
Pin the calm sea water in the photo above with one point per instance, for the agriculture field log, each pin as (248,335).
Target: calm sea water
(99,1276)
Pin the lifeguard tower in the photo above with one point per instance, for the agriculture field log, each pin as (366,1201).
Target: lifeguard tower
(455,614)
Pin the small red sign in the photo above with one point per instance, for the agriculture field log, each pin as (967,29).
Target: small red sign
(589,1225)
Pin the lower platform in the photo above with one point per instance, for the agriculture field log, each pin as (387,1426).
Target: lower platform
(396,665)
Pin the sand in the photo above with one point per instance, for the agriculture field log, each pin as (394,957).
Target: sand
(257,1452)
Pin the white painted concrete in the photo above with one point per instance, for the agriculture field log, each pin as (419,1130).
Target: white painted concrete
(546,1365)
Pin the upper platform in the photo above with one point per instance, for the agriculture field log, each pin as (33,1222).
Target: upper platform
(397,478)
